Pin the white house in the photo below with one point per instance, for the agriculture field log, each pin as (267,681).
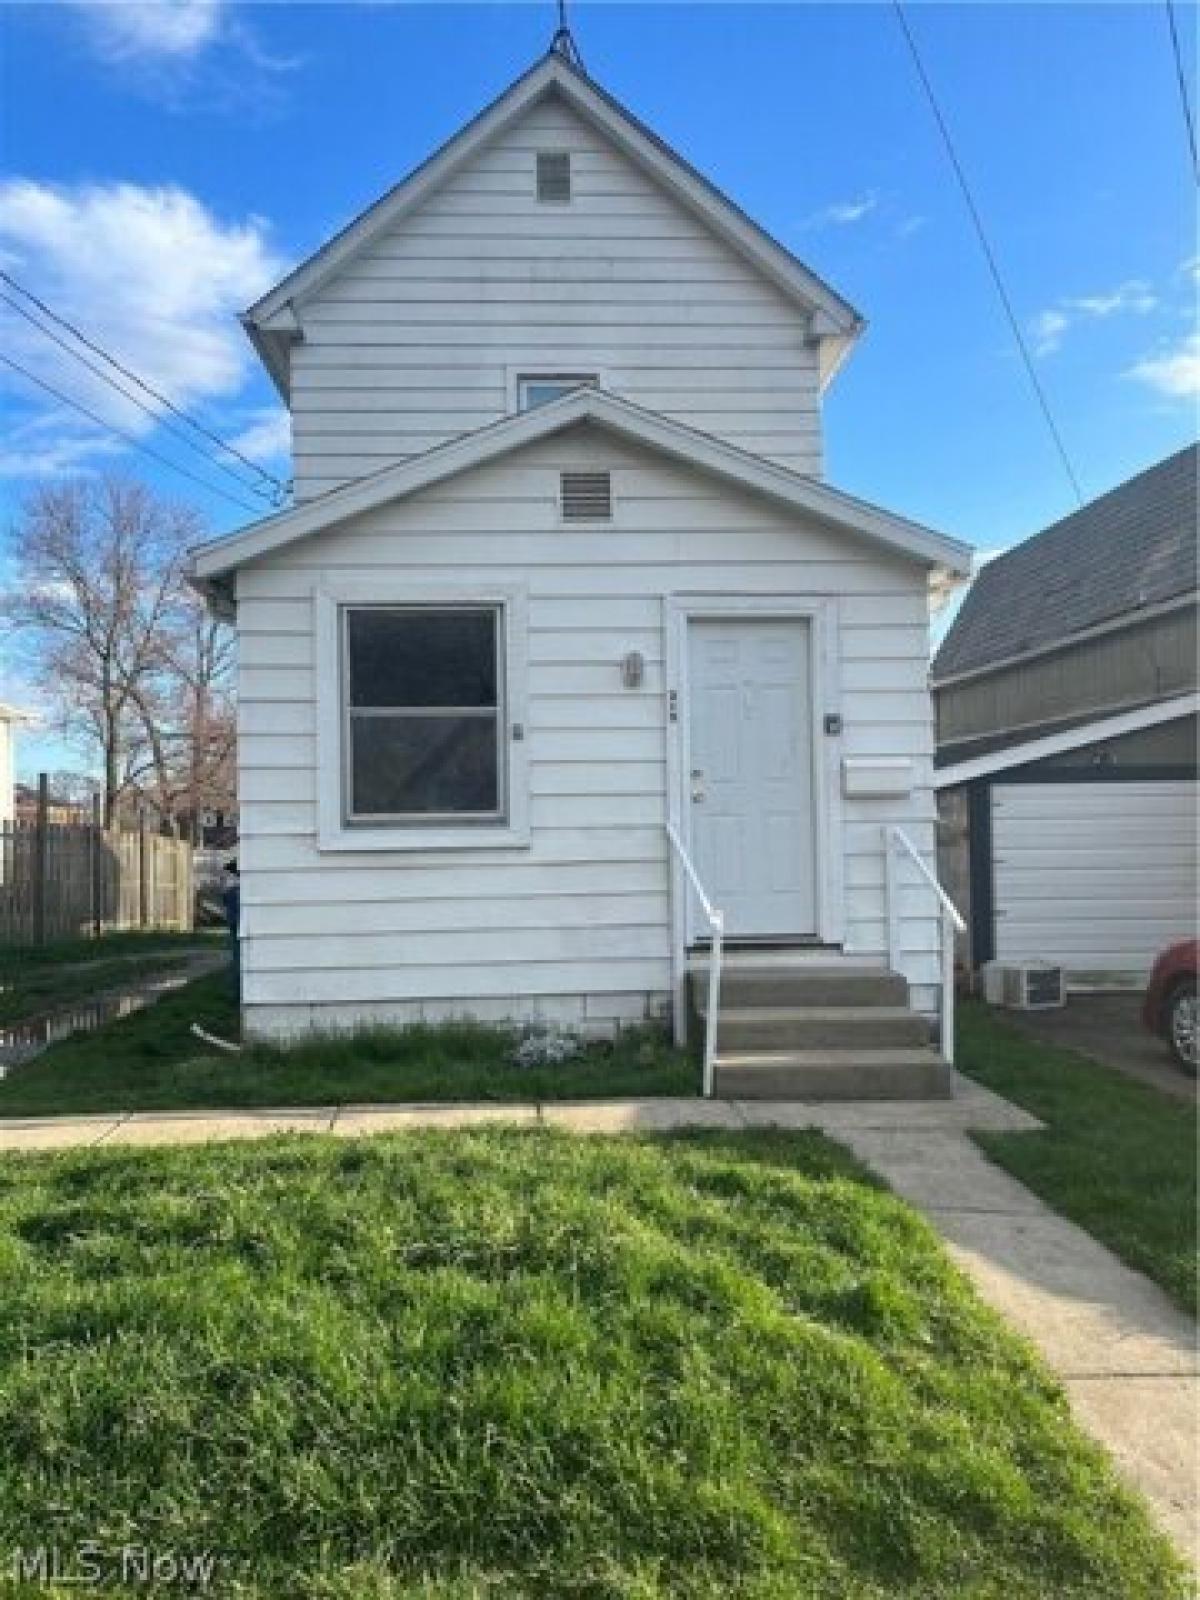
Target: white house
(563,578)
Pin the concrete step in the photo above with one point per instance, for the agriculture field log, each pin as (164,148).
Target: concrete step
(831,1075)
(819,1027)
(745,986)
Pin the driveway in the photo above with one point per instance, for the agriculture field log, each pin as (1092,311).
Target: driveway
(1108,1027)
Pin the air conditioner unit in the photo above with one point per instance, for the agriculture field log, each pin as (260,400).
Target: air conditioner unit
(1024,985)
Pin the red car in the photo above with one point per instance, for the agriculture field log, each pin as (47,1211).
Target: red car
(1170,1007)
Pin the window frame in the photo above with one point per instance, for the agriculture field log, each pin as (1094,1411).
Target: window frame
(570,380)
(497,714)
(544,366)
(414,832)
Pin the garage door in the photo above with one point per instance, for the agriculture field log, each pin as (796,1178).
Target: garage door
(1096,877)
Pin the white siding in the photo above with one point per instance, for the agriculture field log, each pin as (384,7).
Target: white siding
(417,339)
(1096,877)
(577,925)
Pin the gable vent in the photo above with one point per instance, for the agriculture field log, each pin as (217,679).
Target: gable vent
(587,496)
(553,177)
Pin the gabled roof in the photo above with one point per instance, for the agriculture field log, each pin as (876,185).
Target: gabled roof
(271,322)
(1131,549)
(211,561)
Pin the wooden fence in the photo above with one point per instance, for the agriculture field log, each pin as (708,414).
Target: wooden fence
(71,880)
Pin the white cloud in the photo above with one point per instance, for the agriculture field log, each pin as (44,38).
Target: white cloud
(843,213)
(54,443)
(193,55)
(266,435)
(1134,296)
(152,276)
(171,29)
(1173,373)
(1049,328)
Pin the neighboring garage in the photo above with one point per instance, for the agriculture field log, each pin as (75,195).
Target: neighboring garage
(1079,849)
(1066,702)
(1094,877)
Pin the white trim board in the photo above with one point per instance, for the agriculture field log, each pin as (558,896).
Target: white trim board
(273,319)
(673,439)
(1057,744)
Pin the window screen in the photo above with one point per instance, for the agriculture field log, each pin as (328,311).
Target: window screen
(423,708)
(554,177)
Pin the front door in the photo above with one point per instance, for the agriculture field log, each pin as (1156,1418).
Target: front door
(750,784)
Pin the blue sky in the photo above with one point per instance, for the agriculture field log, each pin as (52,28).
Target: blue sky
(197,149)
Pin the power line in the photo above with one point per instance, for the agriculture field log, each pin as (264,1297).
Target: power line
(129,438)
(989,253)
(147,388)
(1183,92)
(155,416)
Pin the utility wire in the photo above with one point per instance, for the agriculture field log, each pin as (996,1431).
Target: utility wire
(1181,74)
(155,416)
(129,438)
(147,388)
(989,253)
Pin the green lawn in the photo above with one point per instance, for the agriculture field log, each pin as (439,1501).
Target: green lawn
(519,1364)
(152,1062)
(1117,1157)
(37,978)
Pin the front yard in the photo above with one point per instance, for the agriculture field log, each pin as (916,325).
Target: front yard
(525,1364)
(153,1062)
(1117,1157)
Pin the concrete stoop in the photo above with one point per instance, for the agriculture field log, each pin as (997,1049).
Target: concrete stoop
(791,1028)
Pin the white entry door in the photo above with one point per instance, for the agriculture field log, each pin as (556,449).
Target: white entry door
(750,784)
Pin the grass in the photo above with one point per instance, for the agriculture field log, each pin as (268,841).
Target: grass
(152,1062)
(37,978)
(519,1364)
(1117,1156)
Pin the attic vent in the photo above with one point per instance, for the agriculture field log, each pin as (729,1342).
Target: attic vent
(587,496)
(553,177)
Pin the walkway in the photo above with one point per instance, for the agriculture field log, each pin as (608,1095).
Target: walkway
(1126,1356)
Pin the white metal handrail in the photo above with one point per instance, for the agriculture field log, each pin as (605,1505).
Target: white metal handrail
(716,924)
(894,840)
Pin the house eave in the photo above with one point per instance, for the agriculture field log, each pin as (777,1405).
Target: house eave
(834,322)
(672,439)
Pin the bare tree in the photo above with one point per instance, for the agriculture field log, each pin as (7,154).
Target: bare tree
(186,713)
(96,608)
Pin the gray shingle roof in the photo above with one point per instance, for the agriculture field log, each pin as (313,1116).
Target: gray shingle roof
(1131,548)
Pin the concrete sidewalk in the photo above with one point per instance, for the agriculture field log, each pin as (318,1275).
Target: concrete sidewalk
(1125,1354)
(970,1107)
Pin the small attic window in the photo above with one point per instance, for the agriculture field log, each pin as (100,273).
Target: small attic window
(586,496)
(553,177)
